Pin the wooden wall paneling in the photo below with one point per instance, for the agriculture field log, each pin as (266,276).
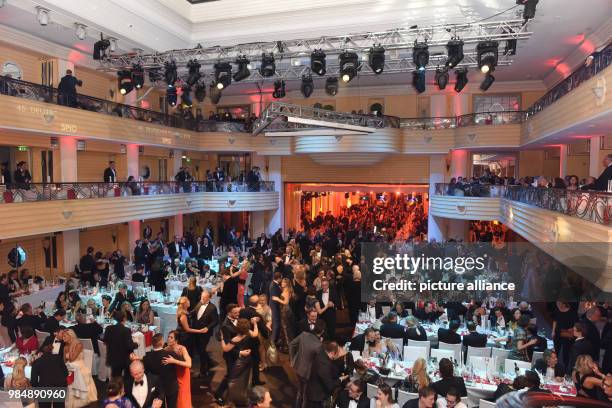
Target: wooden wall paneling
(28,61)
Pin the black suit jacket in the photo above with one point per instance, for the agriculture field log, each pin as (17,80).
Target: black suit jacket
(119,299)
(89,331)
(474,339)
(49,341)
(168,385)
(344,400)
(393,331)
(601,183)
(323,378)
(582,346)
(50,325)
(333,296)
(172,250)
(413,334)
(33,321)
(358,343)
(119,344)
(592,334)
(304,326)
(49,370)
(210,318)
(445,384)
(448,336)
(109,176)
(152,390)
(377,309)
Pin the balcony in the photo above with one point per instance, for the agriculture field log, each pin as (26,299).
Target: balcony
(44,208)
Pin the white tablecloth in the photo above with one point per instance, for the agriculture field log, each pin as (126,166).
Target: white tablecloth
(36,298)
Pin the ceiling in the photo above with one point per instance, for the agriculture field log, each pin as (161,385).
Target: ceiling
(559,29)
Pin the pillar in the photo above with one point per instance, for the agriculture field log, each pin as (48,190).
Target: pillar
(257,223)
(276,217)
(438,105)
(437,169)
(133,167)
(457,229)
(563,160)
(134,228)
(595,156)
(177,226)
(176,162)
(459,163)
(72,250)
(68,159)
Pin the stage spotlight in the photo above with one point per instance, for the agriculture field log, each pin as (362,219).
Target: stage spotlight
(171,95)
(170,74)
(268,66)
(194,72)
(214,93)
(100,47)
(331,86)
(80,31)
(317,62)
(186,97)
(243,69)
(530,8)
(418,81)
(454,49)
(487,55)
(441,78)
(125,82)
(307,86)
(113,44)
(200,92)
(138,76)
(279,89)
(487,82)
(349,65)
(42,15)
(155,75)
(420,55)
(510,48)
(376,59)
(223,75)
(461,79)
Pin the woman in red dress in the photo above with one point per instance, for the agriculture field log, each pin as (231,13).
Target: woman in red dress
(183,369)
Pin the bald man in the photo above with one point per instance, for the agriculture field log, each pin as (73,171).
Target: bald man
(204,316)
(141,388)
(250,312)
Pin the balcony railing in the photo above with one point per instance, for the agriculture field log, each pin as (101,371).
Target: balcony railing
(594,206)
(16,193)
(601,61)
(472,119)
(41,93)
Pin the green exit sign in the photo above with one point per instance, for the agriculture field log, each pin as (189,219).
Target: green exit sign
(22,148)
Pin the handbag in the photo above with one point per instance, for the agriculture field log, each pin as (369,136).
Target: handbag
(272,354)
(70,378)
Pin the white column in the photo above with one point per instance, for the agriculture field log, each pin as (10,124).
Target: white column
(457,229)
(459,163)
(276,217)
(178,225)
(133,236)
(72,250)
(562,160)
(133,167)
(257,223)
(595,157)
(460,104)
(437,169)
(177,162)
(438,105)
(68,159)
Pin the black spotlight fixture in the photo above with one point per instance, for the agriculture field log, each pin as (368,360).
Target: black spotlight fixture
(125,82)
(243,71)
(170,74)
(214,93)
(279,89)
(441,78)
(317,62)
(486,52)
(138,76)
(349,65)
(223,75)
(510,48)
(376,59)
(420,55)
(307,86)
(530,8)
(268,65)
(487,82)
(331,86)
(100,48)
(186,96)
(461,79)
(155,75)
(194,72)
(454,49)
(418,81)
(200,92)
(171,95)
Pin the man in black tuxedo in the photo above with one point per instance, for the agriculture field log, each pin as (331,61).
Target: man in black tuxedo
(119,345)
(28,318)
(85,330)
(110,173)
(52,323)
(591,333)
(230,352)
(302,352)
(311,322)
(354,392)
(49,370)
(275,291)
(55,341)
(323,377)
(175,249)
(204,316)
(415,331)
(250,313)
(359,341)
(392,329)
(142,389)
(328,299)
(473,339)
(166,374)
(140,253)
(581,346)
(372,309)
(450,336)
(601,184)
(123,295)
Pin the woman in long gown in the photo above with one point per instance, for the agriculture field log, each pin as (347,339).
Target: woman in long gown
(82,391)
(239,379)
(286,314)
(244,273)
(183,369)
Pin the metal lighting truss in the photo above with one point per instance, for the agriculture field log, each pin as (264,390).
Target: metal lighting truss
(293,57)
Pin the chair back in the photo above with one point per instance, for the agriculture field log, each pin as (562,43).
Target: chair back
(511,365)
(87,344)
(168,323)
(399,343)
(6,401)
(88,357)
(103,369)
(478,351)
(403,397)
(371,390)
(485,404)
(439,354)
(41,336)
(421,343)
(157,324)
(386,310)
(456,348)
(412,353)
(482,364)
(356,355)
(536,356)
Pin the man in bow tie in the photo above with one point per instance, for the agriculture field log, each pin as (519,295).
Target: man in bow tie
(141,388)
(353,396)
(311,322)
(326,307)
(204,316)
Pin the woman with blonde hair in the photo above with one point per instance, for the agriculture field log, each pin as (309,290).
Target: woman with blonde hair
(418,377)
(83,390)
(587,377)
(192,291)
(184,331)
(242,277)
(286,316)
(17,380)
